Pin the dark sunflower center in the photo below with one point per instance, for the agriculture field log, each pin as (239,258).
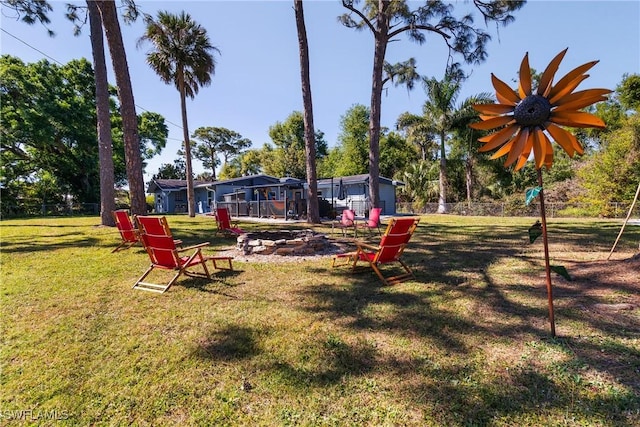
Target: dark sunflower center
(533,110)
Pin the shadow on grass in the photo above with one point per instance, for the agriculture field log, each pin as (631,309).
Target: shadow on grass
(31,243)
(452,316)
(216,285)
(230,343)
(452,263)
(331,361)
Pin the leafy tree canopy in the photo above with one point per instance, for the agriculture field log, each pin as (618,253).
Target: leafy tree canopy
(287,158)
(214,141)
(176,170)
(48,128)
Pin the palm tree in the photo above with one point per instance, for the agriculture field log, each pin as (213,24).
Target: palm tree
(419,133)
(103,13)
(388,19)
(182,55)
(466,138)
(439,110)
(441,116)
(418,183)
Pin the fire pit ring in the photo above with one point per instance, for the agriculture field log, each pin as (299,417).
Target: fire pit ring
(283,242)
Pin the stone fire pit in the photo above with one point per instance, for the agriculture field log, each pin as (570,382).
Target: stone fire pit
(283,242)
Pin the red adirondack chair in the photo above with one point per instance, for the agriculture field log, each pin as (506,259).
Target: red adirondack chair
(390,250)
(128,232)
(347,222)
(223,221)
(164,255)
(372,222)
(154,225)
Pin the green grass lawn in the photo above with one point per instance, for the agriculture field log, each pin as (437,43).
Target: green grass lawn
(465,343)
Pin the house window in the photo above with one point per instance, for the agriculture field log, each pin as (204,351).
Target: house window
(180,196)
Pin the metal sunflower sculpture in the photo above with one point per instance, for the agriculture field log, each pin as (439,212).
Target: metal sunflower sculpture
(530,120)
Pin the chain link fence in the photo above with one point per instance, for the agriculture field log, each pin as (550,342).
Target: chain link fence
(62,209)
(552,210)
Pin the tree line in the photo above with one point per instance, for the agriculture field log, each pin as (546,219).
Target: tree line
(433,151)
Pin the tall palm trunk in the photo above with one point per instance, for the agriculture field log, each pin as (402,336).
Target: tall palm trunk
(468,168)
(103,125)
(313,212)
(187,145)
(133,159)
(442,198)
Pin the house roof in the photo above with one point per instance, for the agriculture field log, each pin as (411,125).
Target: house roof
(249,179)
(355,179)
(168,185)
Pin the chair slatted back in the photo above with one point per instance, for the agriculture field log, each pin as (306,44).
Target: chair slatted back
(223,218)
(162,251)
(348,217)
(125,226)
(153,225)
(374,217)
(395,239)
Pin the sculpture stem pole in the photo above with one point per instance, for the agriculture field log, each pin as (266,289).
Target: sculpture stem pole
(546,255)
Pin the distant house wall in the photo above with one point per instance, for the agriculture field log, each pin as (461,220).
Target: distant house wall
(356,195)
(171,195)
(388,195)
(170,202)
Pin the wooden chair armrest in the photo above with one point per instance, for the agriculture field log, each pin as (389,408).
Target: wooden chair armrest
(361,245)
(200,245)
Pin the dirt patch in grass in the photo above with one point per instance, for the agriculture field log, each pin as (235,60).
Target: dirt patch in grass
(615,284)
(603,274)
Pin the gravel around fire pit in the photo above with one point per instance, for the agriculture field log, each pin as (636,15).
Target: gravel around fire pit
(282,246)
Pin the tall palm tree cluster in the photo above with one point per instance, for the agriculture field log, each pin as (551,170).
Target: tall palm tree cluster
(442,116)
(182,55)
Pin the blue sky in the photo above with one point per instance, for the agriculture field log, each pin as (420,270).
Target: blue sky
(257,78)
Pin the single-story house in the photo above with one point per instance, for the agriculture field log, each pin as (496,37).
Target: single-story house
(352,192)
(263,195)
(171,195)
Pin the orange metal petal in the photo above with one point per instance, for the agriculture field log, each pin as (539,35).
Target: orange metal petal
(492,123)
(582,94)
(545,154)
(493,109)
(522,160)
(577,119)
(580,103)
(568,88)
(538,150)
(503,89)
(571,76)
(506,147)
(564,139)
(517,148)
(547,77)
(524,87)
(501,99)
(497,139)
(548,158)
